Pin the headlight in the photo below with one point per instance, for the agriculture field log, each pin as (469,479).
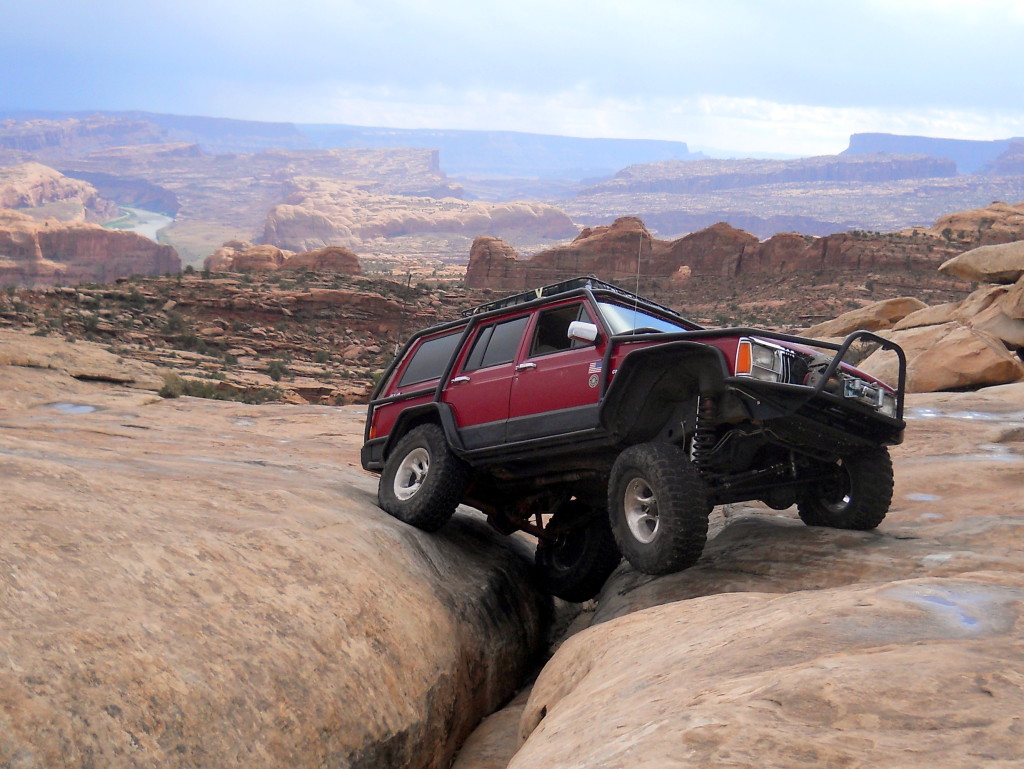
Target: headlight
(758,360)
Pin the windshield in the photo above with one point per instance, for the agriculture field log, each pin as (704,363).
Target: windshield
(622,320)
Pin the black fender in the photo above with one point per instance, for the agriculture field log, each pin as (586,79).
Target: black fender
(653,382)
(439,413)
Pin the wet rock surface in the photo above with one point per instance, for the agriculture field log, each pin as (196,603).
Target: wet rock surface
(193,583)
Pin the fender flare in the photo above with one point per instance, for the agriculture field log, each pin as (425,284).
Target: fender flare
(439,413)
(651,383)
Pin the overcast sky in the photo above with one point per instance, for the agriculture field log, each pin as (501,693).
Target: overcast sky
(770,76)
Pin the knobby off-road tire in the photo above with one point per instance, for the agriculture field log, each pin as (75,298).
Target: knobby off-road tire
(856,495)
(575,565)
(423,481)
(658,508)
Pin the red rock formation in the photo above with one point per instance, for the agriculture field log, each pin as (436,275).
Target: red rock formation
(997,223)
(242,256)
(52,252)
(721,250)
(717,250)
(330,259)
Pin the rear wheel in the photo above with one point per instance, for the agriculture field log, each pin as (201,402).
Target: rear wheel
(423,481)
(855,493)
(576,561)
(658,508)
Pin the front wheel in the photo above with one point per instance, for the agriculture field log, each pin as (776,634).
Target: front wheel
(658,508)
(423,481)
(855,493)
(580,553)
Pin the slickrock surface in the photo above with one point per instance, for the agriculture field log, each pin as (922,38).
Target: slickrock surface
(192,583)
(790,646)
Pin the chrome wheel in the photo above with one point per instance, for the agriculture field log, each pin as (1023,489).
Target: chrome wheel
(411,473)
(641,508)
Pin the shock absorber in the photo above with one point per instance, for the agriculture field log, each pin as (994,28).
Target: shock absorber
(704,434)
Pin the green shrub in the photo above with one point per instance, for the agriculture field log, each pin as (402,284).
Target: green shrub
(174,386)
(276,369)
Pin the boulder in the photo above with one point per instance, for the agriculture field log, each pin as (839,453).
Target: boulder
(945,357)
(929,316)
(1000,263)
(1007,329)
(873,317)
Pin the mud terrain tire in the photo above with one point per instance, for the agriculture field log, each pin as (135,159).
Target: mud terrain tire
(658,508)
(856,496)
(575,565)
(422,482)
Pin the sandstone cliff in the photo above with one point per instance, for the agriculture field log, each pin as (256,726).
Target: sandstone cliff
(698,176)
(42,191)
(322,212)
(52,252)
(612,252)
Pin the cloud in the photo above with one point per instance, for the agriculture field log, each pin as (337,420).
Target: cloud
(767,73)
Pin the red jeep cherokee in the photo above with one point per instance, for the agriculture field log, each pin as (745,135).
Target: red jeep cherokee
(606,425)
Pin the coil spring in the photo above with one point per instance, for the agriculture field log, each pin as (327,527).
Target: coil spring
(704,435)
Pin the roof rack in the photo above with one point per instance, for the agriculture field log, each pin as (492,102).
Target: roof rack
(572,284)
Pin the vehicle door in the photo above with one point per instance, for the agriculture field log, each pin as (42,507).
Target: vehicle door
(478,391)
(556,386)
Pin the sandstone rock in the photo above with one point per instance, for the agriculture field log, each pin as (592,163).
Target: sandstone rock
(929,316)
(88,362)
(258,258)
(878,675)
(611,252)
(196,583)
(873,317)
(1002,263)
(997,223)
(322,212)
(49,252)
(1000,325)
(330,259)
(35,186)
(947,356)
(742,642)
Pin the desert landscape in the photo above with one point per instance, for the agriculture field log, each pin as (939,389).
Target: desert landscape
(195,569)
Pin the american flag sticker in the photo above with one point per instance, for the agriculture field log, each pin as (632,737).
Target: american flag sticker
(594,367)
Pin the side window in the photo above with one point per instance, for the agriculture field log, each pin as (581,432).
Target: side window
(430,358)
(496,344)
(552,333)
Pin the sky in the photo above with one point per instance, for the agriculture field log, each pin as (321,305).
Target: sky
(786,77)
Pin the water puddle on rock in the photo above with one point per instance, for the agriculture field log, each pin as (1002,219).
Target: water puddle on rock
(1014,417)
(964,607)
(65,407)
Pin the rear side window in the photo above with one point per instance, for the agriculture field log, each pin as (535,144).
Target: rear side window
(429,360)
(496,344)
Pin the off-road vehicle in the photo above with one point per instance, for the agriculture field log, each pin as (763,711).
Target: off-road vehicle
(606,424)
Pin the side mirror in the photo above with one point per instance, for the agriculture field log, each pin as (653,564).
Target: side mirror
(582,332)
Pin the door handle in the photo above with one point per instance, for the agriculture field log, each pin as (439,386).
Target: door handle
(460,379)
(525,366)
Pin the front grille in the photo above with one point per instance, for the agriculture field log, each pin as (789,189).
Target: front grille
(794,367)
